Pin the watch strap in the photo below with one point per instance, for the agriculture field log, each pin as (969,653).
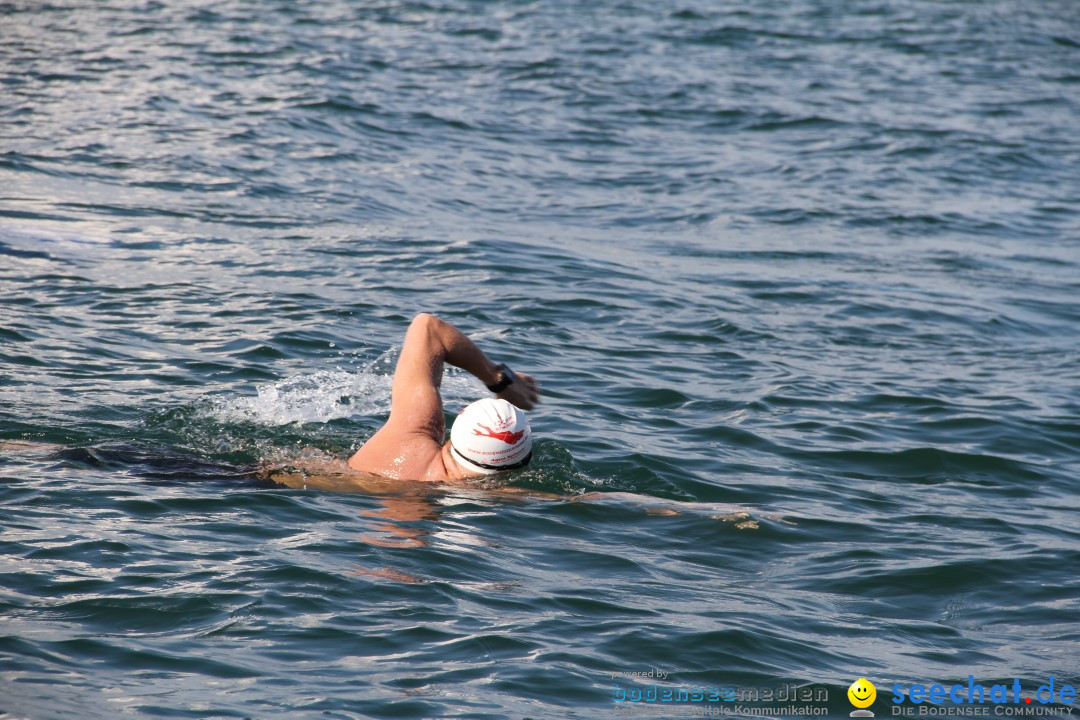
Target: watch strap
(506,377)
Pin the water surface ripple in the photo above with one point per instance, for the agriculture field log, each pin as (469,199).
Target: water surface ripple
(816,262)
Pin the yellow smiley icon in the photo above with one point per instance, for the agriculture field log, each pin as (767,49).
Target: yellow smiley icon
(862,693)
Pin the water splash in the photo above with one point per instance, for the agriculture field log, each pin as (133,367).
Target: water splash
(315,398)
(328,395)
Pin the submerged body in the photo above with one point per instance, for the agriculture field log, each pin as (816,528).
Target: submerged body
(315,470)
(409,463)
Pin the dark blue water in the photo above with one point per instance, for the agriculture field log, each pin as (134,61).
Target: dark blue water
(814,262)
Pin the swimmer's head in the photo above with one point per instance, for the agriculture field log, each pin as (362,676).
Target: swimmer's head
(491,435)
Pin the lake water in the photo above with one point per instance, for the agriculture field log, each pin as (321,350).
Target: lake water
(815,262)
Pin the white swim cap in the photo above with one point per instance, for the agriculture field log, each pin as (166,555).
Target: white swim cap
(491,435)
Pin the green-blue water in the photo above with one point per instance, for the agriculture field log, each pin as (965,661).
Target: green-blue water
(814,261)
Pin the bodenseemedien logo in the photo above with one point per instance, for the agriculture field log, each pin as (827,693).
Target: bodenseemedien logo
(862,694)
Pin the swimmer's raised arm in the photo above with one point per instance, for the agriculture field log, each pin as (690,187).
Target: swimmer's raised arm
(435,341)
(411,445)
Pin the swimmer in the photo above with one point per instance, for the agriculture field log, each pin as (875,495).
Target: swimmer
(491,435)
(409,464)
(408,457)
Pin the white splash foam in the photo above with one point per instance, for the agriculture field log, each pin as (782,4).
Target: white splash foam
(330,395)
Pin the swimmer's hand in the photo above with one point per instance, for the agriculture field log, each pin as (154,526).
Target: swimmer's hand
(523,392)
(431,341)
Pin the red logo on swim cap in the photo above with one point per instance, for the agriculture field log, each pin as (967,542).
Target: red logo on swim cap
(509,438)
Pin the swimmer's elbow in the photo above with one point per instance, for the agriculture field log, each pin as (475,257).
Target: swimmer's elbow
(424,320)
(427,329)
(422,317)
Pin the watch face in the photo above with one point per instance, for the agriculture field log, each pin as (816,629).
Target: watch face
(505,377)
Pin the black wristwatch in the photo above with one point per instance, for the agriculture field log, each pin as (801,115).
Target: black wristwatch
(506,377)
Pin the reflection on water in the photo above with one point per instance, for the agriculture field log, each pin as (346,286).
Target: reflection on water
(808,267)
